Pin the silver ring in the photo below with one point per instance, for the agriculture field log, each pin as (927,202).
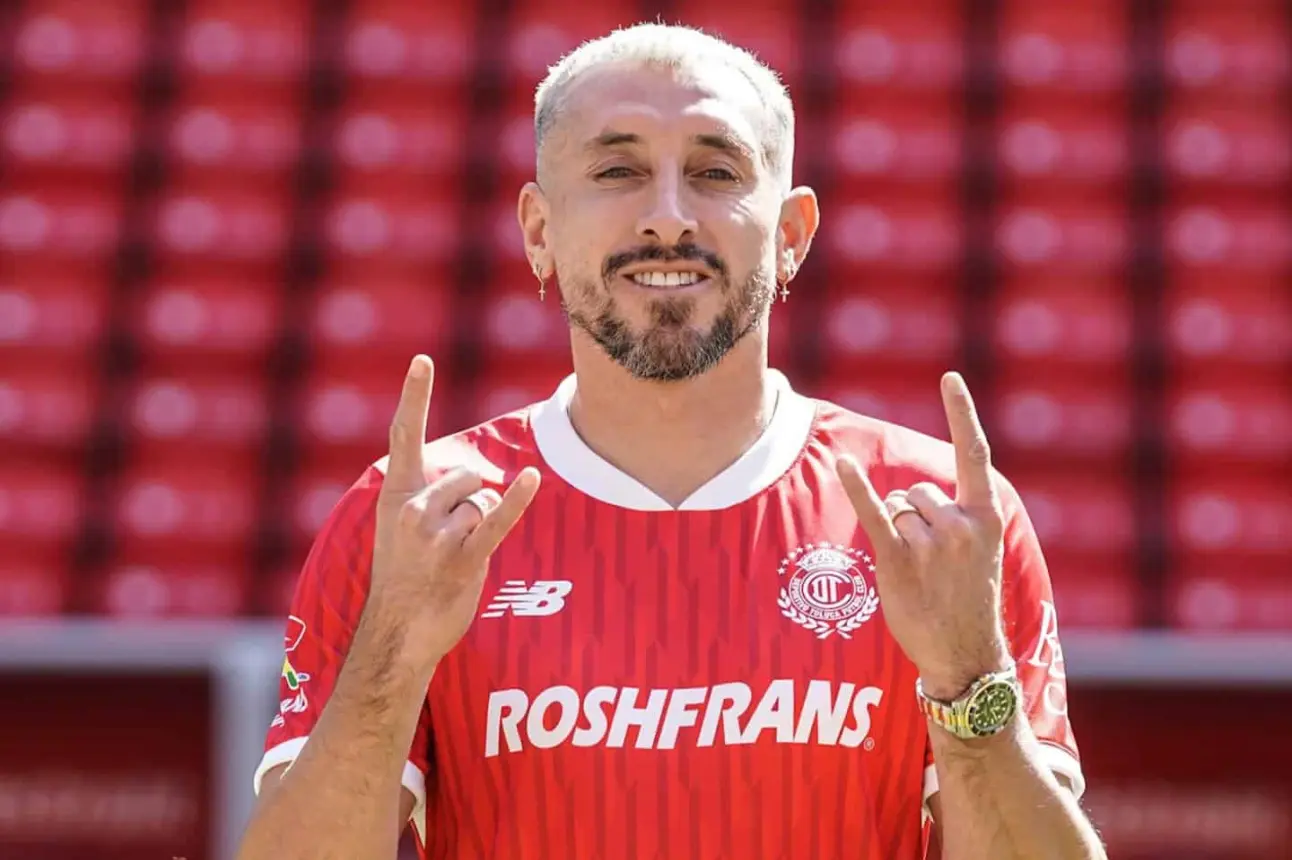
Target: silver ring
(480,501)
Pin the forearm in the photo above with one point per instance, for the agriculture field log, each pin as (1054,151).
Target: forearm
(341,797)
(998,800)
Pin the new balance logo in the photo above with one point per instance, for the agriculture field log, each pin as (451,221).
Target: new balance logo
(545,597)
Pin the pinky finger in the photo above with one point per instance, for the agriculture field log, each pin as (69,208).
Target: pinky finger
(499,522)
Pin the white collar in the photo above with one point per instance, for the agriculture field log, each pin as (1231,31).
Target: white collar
(757,469)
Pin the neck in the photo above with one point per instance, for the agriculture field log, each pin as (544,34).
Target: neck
(672,437)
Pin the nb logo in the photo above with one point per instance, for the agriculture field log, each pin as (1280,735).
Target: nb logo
(545,597)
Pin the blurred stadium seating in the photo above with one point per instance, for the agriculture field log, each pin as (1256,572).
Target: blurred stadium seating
(225,225)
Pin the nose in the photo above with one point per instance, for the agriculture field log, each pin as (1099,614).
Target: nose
(667,221)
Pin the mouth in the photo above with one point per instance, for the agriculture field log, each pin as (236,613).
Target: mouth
(670,279)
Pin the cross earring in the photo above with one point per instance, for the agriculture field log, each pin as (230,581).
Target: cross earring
(542,282)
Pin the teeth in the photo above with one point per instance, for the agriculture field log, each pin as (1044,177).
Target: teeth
(667,279)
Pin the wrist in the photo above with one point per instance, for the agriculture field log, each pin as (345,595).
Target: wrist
(392,648)
(949,682)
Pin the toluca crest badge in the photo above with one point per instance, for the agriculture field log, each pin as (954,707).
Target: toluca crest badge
(824,589)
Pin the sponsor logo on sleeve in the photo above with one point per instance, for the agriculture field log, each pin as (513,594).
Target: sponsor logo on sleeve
(1048,656)
(298,702)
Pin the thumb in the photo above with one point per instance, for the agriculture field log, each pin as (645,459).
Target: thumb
(871,512)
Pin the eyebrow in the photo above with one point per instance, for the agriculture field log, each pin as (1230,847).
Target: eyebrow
(722,142)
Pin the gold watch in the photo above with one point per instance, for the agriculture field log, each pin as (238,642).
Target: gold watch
(987,707)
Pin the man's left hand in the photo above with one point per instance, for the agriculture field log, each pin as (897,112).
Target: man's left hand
(938,560)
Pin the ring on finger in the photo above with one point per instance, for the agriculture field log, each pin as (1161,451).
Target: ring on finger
(482,500)
(899,506)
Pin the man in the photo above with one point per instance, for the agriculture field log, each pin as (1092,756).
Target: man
(733,622)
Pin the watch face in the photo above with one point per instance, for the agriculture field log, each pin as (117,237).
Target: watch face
(992,708)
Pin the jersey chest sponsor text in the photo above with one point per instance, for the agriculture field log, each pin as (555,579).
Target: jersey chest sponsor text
(731,714)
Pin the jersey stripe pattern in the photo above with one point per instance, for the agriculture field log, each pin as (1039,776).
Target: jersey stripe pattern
(690,683)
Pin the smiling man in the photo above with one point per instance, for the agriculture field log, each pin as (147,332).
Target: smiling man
(678,609)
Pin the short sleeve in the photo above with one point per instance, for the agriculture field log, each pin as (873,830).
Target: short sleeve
(326,606)
(1032,627)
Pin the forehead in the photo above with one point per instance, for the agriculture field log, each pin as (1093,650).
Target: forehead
(660,103)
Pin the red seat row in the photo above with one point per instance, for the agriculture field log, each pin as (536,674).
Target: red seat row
(1083,48)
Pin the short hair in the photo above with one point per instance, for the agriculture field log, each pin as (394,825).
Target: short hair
(673,47)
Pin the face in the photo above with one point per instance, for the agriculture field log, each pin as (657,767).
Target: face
(665,226)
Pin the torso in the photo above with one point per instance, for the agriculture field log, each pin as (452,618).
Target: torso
(711,682)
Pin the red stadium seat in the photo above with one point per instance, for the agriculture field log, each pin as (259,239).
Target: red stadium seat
(515,325)
(1068,49)
(183,589)
(225,417)
(1234,322)
(51,322)
(398,232)
(1094,591)
(1080,511)
(42,506)
(499,232)
(180,321)
(1233,515)
(234,135)
(899,141)
(771,29)
(100,44)
(1057,145)
(391,141)
(1086,322)
(1219,418)
(51,408)
(309,498)
(916,234)
(395,44)
(1231,595)
(59,229)
(1237,237)
(342,417)
(233,44)
(1078,418)
(1224,144)
(1073,236)
(354,320)
(204,225)
(892,324)
(1235,49)
(34,586)
(540,32)
(908,46)
(909,399)
(503,388)
(68,136)
(183,509)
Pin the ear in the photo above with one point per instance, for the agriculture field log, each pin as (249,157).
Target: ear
(532,213)
(800,217)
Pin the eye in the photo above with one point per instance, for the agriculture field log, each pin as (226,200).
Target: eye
(615,173)
(718,174)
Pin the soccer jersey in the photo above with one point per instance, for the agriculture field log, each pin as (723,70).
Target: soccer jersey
(714,680)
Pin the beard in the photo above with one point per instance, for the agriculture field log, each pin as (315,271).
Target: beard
(671,348)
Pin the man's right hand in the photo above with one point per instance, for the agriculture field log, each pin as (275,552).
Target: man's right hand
(433,540)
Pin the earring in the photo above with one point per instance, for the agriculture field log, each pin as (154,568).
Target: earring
(542,282)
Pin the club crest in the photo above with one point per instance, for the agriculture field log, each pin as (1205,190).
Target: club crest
(825,591)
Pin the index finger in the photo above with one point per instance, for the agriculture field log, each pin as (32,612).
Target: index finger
(405,472)
(974,486)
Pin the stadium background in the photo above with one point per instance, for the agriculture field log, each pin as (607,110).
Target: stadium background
(224,226)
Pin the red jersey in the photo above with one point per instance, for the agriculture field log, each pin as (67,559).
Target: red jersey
(711,681)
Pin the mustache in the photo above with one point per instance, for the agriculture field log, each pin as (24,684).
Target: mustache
(657,254)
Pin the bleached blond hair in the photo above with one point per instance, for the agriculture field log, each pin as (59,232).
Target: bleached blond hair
(676,48)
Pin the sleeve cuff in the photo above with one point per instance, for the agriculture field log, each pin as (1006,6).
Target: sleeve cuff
(412,778)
